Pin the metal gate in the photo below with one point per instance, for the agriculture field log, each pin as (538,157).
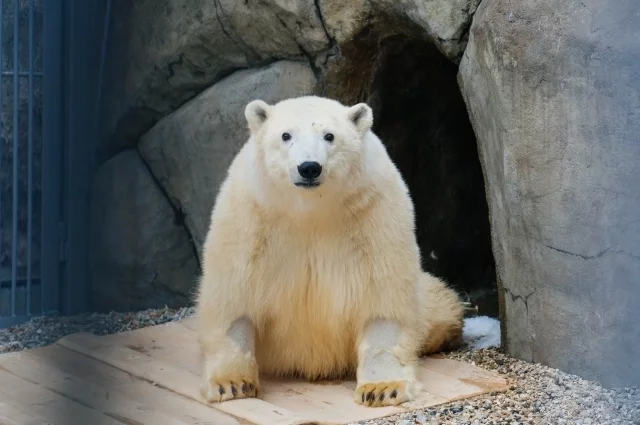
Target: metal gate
(50,85)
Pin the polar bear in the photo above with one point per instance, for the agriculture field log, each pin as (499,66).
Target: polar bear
(311,266)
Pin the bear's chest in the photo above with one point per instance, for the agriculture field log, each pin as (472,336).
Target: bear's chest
(314,275)
(309,298)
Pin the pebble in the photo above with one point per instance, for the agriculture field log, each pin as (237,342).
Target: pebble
(539,395)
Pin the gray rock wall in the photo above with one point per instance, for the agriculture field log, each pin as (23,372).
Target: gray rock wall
(552,89)
(164,52)
(142,256)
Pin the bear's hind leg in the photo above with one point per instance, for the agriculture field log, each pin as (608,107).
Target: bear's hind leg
(442,315)
(230,370)
(386,374)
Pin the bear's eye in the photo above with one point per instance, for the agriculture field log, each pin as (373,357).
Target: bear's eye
(286,136)
(328,137)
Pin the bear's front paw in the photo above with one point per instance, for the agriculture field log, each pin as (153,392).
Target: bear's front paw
(383,393)
(217,390)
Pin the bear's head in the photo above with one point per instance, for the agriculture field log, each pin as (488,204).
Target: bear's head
(308,143)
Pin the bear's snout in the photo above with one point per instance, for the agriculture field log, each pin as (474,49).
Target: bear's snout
(309,170)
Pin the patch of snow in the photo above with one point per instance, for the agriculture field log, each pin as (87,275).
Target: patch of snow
(481,332)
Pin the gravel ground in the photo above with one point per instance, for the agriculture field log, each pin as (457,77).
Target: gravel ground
(539,395)
(42,331)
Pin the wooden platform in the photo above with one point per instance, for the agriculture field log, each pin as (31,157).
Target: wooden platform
(151,376)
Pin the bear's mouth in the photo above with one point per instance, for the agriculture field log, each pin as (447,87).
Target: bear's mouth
(307,183)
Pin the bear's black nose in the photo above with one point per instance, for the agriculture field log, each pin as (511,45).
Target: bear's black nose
(310,170)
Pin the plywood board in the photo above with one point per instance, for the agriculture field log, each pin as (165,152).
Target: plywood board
(54,385)
(151,376)
(165,357)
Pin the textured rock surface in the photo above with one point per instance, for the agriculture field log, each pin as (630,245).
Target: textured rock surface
(164,52)
(444,22)
(552,89)
(190,150)
(141,257)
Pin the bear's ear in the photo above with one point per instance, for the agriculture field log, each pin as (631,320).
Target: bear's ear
(256,113)
(361,116)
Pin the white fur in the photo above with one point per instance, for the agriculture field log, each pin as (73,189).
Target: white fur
(324,281)
(307,120)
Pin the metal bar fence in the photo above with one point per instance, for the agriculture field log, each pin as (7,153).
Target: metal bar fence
(52,59)
(52,125)
(2,143)
(83,22)
(20,162)
(30,154)
(29,159)
(16,158)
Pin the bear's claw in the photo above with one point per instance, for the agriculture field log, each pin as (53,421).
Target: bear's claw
(384,393)
(219,390)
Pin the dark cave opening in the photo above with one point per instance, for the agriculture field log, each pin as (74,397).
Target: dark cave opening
(421,117)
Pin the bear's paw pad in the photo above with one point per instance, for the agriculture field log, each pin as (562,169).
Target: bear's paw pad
(383,393)
(219,390)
